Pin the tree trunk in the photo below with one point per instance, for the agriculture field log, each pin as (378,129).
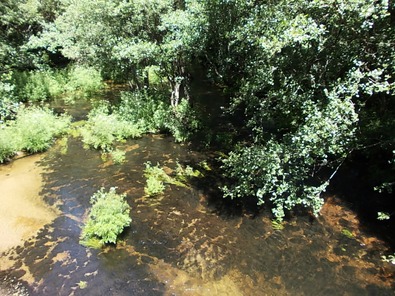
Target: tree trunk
(175,94)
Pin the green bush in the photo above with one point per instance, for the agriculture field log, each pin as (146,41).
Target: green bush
(156,178)
(8,144)
(183,122)
(37,128)
(107,218)
(103,129)
(154,186)
(33,130)
(41,85)
(153,114)
(83,80)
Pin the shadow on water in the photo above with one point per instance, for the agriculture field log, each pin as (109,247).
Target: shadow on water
(188,241)
(363,173)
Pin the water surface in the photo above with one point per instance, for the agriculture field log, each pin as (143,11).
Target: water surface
(188,241)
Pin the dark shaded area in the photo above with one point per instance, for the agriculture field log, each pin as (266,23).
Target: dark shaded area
(355,182)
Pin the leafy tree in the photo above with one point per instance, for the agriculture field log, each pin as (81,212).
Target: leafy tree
(307,72)
(183,32)
(126,38)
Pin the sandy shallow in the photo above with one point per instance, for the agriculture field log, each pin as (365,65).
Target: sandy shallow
(22,210)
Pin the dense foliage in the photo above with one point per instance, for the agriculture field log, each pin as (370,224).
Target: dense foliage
(308,74)
(103,129)
(43,85)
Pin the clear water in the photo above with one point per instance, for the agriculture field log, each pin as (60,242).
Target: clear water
(189,241)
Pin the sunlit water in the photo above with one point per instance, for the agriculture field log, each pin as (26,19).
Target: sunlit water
(187,241)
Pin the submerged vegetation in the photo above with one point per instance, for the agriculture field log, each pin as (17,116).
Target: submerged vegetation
(157,178)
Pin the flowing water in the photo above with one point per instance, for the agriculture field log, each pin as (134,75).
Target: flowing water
(189,241)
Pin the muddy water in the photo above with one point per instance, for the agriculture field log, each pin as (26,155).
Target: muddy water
(187,242)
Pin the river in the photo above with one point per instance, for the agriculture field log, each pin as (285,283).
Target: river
(188,241)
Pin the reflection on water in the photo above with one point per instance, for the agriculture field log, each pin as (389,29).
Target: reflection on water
(187,242)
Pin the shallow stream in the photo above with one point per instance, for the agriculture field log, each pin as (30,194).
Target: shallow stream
(187,242)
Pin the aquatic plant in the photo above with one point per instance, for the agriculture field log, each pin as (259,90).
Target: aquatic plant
(118,156)
(277,225)
(82,285)
(383,216)
(154,186)
(107,218)
(183,174)
(347,233)
(156,178)
(103,129)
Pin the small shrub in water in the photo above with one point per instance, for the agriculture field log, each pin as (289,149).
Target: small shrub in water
(107,218)
(154,186)
(118,156)
(155,179)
